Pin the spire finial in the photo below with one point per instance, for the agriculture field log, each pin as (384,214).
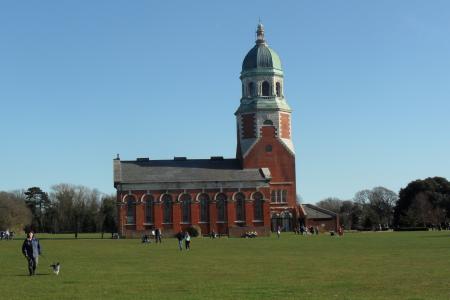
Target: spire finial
(260,33)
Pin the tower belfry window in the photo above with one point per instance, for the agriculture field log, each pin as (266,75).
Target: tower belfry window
(251,89)
(265,88)
(278,88)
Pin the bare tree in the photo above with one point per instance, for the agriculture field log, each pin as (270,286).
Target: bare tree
(331,203)
(377,206)
(77,208)
(14,213)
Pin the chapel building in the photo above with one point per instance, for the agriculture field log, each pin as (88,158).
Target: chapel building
(255,191)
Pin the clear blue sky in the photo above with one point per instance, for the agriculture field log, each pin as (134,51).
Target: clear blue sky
(369,83)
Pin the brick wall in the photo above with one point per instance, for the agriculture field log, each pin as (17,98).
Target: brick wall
(279,160)
(325,225)
(285,126)
(177,224)
(248,126)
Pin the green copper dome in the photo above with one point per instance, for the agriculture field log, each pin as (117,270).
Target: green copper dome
(261,56)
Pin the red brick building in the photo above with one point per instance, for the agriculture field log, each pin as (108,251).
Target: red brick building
(312,215)
(256,191)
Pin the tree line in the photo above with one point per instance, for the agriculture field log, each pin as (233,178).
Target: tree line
(422,203)
(66,208)
(75,208)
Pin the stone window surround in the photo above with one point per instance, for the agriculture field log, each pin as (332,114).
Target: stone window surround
(158,200)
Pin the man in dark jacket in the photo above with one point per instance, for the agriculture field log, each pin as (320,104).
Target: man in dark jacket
(180,237)
(158,235)
(31,249)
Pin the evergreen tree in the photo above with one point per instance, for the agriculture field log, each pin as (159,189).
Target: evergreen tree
(39,203)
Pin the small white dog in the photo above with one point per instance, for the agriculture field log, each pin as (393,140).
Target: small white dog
(56,267)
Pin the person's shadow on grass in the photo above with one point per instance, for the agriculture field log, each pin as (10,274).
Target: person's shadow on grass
(26,275)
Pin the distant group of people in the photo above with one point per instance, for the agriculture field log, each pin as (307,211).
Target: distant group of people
(181,236)
(6,235)
(250,234)
(156,233)
(314,230)
(339,232)
(439,227)
(304,230)
(187,240)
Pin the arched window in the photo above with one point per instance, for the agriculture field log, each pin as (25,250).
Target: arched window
(267,122)
(221,203)
(278,88)
(185,208)
(204,207)
(286,220)
(131,210)
(240,207)
(251,89)
(258,206)
(265,88)
(167,208)
(149,209)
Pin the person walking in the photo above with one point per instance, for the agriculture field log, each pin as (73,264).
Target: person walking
(187,241)
(157,235)
(180,238)
(278,231)
(31,249)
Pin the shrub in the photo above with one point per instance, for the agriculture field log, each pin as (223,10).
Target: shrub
(194,230)
(411,229)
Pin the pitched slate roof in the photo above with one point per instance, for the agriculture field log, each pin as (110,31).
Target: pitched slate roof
(315,212)
(184,170)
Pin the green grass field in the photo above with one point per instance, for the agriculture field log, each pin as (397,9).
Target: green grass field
(388,265)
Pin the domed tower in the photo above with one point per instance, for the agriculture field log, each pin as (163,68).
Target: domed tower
(264,121)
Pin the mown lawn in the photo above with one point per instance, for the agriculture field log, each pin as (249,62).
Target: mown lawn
(388,265)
